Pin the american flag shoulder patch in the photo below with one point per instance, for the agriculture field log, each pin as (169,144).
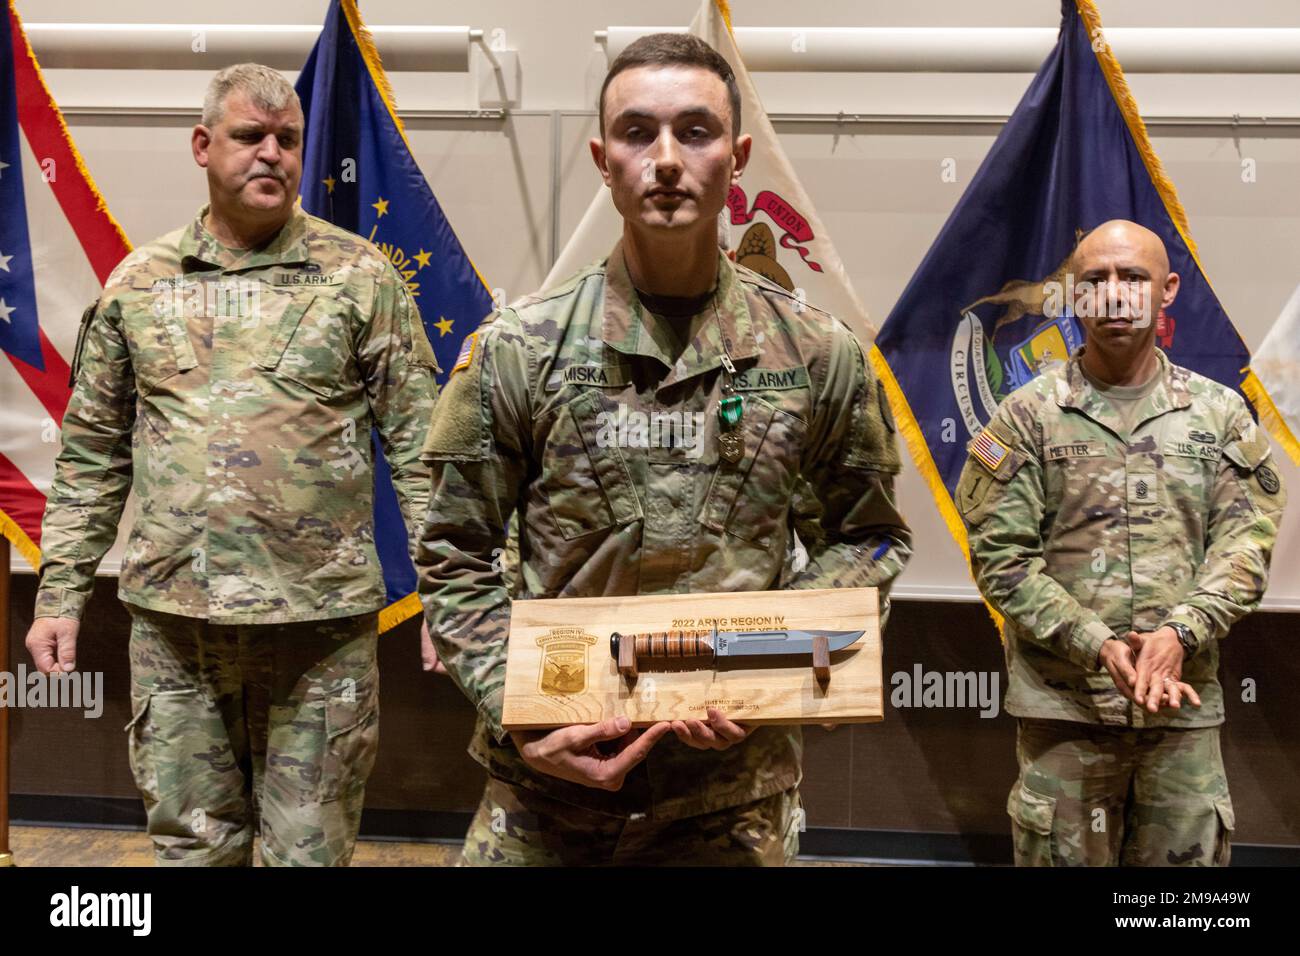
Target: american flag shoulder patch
(466,352)
(989,450)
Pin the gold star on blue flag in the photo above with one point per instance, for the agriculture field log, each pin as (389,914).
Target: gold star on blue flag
(352,123)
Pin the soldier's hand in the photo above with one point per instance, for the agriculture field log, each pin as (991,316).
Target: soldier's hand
(428,654)
(1159,670)
(52,642)
(1117,657)
(593,755)
(718,733)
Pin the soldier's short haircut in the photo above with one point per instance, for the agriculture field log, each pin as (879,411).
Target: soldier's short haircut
(267,88)
(670,49)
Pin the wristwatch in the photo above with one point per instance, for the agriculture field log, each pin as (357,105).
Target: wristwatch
(1185,638)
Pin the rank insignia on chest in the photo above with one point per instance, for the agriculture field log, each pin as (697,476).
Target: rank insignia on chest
(989,450)
(1141,489)
(466,352)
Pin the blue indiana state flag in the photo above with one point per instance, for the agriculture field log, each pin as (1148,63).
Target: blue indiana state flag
(982,316)
(359,173)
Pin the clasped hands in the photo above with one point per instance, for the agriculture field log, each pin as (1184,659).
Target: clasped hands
(602,755)
(1147,667)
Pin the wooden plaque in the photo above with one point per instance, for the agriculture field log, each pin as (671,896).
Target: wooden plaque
(559,668)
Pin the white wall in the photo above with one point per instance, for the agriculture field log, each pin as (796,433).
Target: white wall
(877,187)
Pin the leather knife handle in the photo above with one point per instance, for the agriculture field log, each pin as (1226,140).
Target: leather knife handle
(663,644)
(630,649)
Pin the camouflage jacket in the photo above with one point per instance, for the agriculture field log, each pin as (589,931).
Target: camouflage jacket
(570,410)
(1079,530)
(235,394)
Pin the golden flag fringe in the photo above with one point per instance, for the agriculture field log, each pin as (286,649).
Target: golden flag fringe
(1251,385)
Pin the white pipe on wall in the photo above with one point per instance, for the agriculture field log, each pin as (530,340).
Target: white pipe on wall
(412,48)
(197,46)
(994,49)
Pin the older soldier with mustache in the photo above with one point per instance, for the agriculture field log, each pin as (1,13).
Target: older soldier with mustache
(230,375)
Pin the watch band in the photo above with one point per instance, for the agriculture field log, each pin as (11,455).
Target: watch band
(1185,637)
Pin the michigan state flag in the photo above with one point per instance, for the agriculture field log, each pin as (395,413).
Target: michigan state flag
(989,307)
(359,173)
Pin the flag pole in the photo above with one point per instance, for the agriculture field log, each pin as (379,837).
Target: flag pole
(6,856)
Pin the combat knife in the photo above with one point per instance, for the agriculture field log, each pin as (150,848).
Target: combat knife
(629,649)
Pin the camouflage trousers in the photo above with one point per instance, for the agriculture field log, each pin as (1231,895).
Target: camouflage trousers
(515,826)
(267,728)
(1100,796)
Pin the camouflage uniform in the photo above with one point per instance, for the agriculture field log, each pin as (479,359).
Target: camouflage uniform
(235,393)
(1080,529)
(517,826)
(291,708)
(542,420)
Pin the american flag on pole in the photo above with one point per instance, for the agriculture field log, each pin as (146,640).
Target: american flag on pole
(58,243)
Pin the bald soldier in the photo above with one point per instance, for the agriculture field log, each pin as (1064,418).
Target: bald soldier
(230,375)
(1121,513)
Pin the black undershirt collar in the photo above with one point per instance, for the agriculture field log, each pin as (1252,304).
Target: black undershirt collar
(675,306)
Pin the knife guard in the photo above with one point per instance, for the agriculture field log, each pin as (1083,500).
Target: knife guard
(822,659)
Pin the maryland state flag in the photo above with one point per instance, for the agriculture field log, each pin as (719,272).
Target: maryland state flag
(988,309)
(58,244)
(359,173)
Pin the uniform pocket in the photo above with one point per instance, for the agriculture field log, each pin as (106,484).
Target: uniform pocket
(280,330)
(1031,826)
(155,356)
(588,485)
(139,736)
(1260,483)
(1227,823)
(308,343)
(158,333)
(351,736)
(984,478)
(180,756)
(1190,471)
(973,492)
(751,498)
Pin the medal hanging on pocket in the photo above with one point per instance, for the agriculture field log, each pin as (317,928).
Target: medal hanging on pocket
(731,409)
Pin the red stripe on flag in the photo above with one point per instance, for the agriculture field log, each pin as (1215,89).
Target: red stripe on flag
(23,503)
(101,237)
(51,386)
